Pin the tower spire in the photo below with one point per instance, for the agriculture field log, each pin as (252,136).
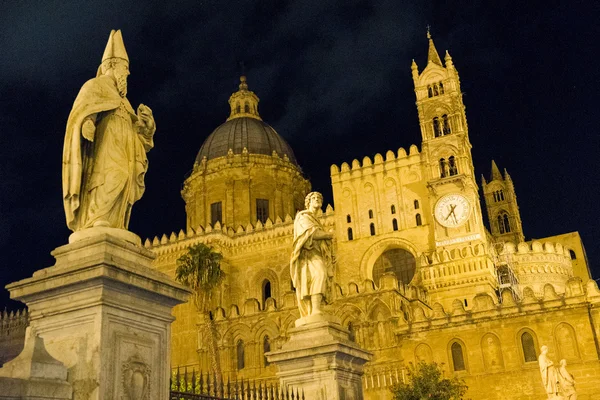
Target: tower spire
(432,55)
(496,175)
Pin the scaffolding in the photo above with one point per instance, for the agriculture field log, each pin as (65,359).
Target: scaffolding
(507,280)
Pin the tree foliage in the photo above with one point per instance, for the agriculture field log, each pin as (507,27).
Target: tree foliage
(426,381)
(200,270)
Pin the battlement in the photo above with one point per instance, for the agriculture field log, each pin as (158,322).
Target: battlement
(535,247)
(367,164)
(13,323)
(227,236)
(488,307)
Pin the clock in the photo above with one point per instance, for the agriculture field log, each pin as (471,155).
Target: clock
(452,210)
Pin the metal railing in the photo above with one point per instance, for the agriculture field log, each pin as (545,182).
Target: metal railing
(201,386)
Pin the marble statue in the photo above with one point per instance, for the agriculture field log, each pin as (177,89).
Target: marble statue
(106,141)
(566,381)
(311,261)
(548,372)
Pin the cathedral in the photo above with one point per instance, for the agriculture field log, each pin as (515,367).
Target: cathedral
(418,274)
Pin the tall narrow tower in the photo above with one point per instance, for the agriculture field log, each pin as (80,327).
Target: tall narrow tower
(502,208)
(447,150)
(457,224)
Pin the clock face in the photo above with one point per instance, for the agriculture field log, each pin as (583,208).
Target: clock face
(452,210)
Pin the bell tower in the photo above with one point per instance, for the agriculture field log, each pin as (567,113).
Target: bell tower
(447,149)
(457,235)
(502,207)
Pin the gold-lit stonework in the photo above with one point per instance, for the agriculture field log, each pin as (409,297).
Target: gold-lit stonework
(406,286)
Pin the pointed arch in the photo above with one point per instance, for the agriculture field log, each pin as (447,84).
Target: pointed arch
(378,311)
(528,345)
(492,352)
(566,342)
(457,355)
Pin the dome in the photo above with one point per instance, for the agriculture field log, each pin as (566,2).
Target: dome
(244,129)
(255,135)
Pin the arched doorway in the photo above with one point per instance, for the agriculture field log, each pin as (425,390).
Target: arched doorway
(398,261)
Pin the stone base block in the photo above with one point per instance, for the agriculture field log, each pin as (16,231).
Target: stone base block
(105,314)
(321,360)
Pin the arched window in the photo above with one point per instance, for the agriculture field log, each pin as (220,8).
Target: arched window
(501,195)
(238,109)
(441,88)
(435,90)
(528,345)
(395,224)
(458,359)
(418,220)
(348,218)
(453,169)
(500,224)
(400,262)
(443,168)
(416,204)
(370,214)
(266,291)
(429,91)
(393,209)
(437,130)
(247,108)
(506,223)
(573,255)
(350,237)
(446,124)
(372,228)
(240,355)
(266,349)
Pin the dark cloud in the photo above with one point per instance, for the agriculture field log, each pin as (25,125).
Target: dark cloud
(334,80)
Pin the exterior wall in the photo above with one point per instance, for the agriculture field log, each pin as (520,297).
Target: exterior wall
(573,243)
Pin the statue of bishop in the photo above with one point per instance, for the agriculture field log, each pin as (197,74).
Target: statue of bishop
(106,141)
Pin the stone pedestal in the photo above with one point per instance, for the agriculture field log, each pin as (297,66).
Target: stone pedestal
(321,360)
(105,314)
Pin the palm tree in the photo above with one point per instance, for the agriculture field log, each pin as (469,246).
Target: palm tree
(200,270)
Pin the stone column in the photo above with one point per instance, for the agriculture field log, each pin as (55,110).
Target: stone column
(321,360)
(105,314)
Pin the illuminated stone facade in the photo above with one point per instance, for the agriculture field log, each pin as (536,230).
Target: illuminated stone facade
(419,276)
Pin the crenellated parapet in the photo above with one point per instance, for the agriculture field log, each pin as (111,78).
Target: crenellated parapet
(487,307)
(536,264)
(446,271)
(13,323)
(232,241)
(369,167)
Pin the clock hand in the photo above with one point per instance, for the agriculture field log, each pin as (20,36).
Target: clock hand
(452,207)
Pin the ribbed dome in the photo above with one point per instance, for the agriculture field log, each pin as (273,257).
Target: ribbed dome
(255,135)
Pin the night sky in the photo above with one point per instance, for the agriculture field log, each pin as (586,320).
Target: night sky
(334,80)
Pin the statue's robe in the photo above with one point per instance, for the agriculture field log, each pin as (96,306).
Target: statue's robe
(310,263)
(102,179)
(567,383)
(548,372)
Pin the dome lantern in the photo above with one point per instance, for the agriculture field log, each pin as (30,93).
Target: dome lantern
(243,103)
